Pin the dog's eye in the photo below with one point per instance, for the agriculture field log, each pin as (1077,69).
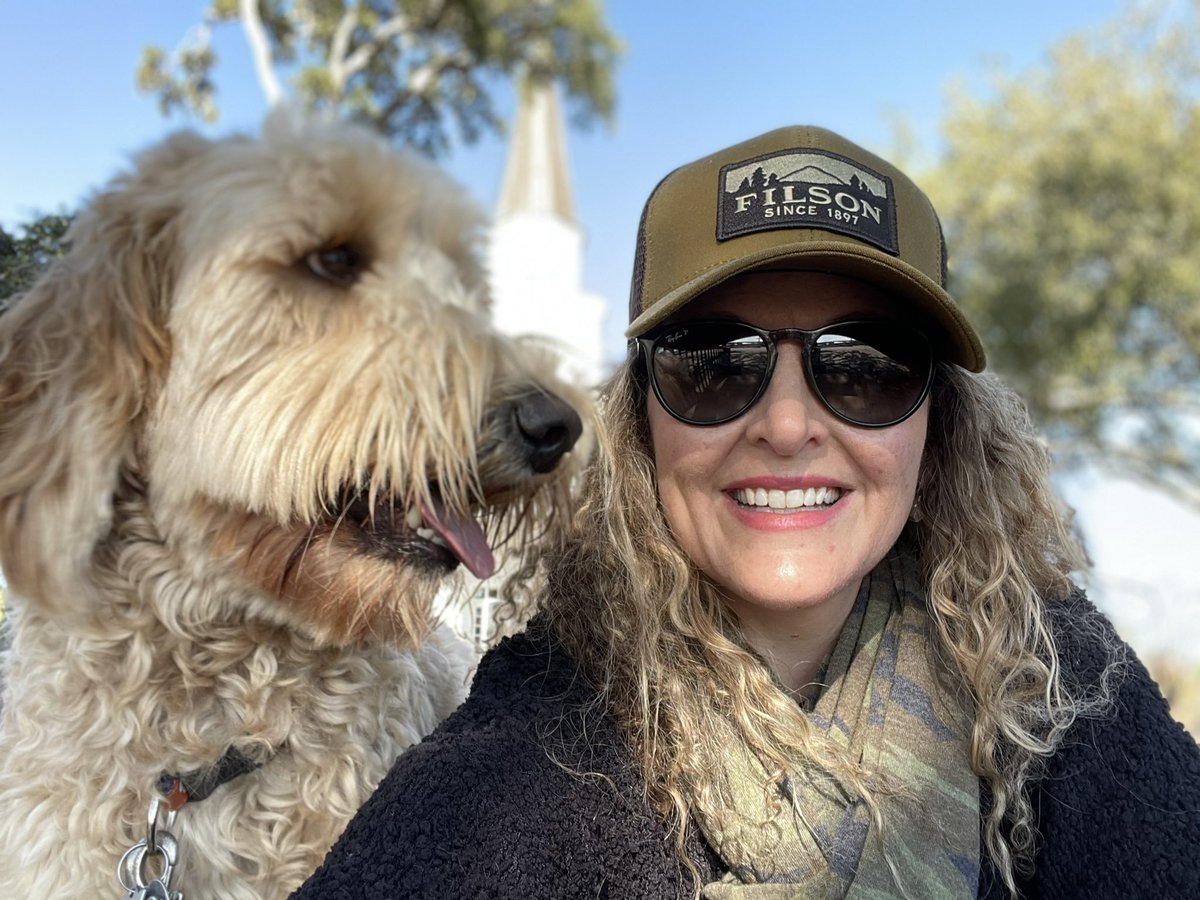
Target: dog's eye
(341,265)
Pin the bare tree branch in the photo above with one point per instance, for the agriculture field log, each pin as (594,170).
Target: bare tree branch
(398,25)
(424,76)
(264,65)
(420,81)
(339,46)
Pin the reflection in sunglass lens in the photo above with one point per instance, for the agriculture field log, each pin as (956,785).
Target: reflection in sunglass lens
(709,371)
(869,373)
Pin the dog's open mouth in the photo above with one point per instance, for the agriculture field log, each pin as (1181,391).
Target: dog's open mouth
(429,535)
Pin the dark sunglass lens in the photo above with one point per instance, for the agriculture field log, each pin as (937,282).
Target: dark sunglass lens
(871,373)
(709,371)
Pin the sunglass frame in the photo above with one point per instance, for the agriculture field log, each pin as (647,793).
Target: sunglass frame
(771,337)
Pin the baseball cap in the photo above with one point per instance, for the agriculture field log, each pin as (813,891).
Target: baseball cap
(796,198)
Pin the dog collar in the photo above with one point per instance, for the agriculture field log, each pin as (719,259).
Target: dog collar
(176,790)
(198,784)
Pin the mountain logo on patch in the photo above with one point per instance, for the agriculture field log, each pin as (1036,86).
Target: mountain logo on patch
(803,188)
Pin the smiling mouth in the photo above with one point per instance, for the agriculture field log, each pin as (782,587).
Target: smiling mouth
(428,535)
(795,500)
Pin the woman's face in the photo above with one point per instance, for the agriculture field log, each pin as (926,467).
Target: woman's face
(798,556)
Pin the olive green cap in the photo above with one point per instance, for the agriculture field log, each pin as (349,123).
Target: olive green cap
(798,198)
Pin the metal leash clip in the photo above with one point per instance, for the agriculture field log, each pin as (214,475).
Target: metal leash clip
(158,842)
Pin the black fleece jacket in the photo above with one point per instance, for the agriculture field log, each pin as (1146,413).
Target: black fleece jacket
(527,792)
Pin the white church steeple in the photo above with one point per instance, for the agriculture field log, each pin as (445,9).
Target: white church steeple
(536,179)
(536,251)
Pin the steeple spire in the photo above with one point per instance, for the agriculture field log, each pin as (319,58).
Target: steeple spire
(535,176)
(535,258)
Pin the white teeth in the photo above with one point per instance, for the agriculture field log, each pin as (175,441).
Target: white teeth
(428,534)
(788,500)
(413,518)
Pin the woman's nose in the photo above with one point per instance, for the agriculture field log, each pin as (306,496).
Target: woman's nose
(788,415)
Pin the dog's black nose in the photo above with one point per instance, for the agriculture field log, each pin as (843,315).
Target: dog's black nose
(547,427)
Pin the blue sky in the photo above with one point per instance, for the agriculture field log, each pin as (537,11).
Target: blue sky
(696,76)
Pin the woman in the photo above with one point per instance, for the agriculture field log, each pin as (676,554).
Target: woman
(814,632)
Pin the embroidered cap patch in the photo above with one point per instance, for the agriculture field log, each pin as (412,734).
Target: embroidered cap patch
(807,189)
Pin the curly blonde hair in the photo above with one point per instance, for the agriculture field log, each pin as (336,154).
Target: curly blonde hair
(652,635)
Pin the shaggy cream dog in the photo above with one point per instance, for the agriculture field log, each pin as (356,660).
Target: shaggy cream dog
(246,428)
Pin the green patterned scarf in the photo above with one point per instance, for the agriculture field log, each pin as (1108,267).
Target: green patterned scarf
(884,704)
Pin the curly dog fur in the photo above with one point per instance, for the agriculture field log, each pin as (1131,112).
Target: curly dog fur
(246,426)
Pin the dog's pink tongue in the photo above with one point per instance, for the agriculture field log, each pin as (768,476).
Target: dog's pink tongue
(463,536)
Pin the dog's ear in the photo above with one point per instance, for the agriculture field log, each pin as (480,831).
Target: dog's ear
(80,355)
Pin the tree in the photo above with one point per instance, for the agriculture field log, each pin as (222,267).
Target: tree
(1071,199)
(22,259)
(404,66)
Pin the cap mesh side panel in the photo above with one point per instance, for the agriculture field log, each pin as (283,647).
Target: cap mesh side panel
(639,254)
(945,274)
(639,264)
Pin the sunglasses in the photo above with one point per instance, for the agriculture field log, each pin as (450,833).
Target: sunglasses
(868,373)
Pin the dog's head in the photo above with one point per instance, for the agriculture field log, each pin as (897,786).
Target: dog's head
(272,357)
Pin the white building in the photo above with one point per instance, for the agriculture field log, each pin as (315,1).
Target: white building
(535,256)
(535,264)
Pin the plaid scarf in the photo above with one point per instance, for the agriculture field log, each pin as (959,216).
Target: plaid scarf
(885,704)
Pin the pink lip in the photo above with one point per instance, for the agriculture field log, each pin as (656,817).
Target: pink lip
(763,520)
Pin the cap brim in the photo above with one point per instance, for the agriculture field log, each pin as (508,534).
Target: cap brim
(953,338)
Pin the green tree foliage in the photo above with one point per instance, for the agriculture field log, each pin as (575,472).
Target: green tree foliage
(417,70)
(1071,199)
(22,259)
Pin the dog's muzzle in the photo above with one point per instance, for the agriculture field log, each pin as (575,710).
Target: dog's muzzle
(531,435)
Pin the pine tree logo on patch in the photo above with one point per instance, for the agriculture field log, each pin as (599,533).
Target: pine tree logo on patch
(807,189)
